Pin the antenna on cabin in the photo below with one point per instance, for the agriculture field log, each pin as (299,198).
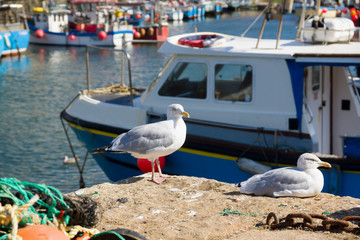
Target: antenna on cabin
(275,14)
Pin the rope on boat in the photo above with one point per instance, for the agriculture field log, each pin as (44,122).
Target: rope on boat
(260,131)
(256,19)
(73,231)
(117,88)
(80,168)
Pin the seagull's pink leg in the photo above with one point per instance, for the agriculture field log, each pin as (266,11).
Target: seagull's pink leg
(159,169)
(153,178)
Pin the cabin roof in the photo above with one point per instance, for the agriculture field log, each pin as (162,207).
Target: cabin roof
(246,47)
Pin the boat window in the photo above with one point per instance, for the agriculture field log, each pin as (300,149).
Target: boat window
(233,82)
(187,80)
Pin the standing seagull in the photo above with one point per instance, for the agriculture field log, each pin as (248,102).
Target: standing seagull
(153,140)
(303,181)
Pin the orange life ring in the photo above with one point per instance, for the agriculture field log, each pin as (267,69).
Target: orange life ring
(199,41)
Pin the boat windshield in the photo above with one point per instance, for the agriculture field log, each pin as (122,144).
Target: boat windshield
(187,79)
(233,82)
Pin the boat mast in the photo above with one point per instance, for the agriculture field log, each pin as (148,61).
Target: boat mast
(280,24)
(302,20)
(264,22)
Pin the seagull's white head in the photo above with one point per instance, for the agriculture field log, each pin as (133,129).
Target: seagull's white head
(176,111)
(310,161)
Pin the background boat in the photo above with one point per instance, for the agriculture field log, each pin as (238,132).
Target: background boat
(172,11)
(14,33)
(148,20)
(100,27)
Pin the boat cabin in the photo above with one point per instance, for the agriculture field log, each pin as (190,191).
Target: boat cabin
(302,103)
(55,21)
(10,17)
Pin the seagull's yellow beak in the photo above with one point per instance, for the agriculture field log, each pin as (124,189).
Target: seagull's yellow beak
(325,164)
(185,114)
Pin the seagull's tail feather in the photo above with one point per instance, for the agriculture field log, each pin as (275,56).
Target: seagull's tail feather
(99,150)
(237,185)
(105,149)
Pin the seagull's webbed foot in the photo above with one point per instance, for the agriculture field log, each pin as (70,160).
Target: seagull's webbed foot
(164,176)
(161,178)
(158,180)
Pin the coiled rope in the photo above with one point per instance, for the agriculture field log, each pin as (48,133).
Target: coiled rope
(23,203)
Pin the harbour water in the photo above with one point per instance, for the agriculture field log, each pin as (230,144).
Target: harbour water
(37,86)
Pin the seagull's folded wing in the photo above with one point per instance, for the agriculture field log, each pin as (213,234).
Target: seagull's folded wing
(145,138)
(277,182)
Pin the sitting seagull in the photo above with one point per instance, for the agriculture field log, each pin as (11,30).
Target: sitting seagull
(305,180)
(153,140)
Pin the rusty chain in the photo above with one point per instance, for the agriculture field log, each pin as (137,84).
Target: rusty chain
(306,221)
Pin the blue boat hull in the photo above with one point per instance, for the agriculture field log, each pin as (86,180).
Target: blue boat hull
(113,38)
(199,163)
(14,42)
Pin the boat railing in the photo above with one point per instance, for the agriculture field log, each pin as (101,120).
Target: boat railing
(125,57)
(308,109)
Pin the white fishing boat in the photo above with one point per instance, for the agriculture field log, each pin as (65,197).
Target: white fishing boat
(52,27)
(148,19)
(267,100)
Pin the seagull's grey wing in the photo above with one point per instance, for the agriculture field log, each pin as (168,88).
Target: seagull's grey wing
(145,138)
(277,182)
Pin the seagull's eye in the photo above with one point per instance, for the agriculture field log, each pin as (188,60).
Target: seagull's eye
(311,159)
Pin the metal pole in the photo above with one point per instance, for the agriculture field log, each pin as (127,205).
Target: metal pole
(263,25)
(87,70)
(302,19)
(125,54)
(318,8)
(130,81)
(122,68)
(261,32)
(276,145)
(279,29)
(25,18)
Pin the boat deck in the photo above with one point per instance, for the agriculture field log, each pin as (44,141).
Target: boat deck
(115,94)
